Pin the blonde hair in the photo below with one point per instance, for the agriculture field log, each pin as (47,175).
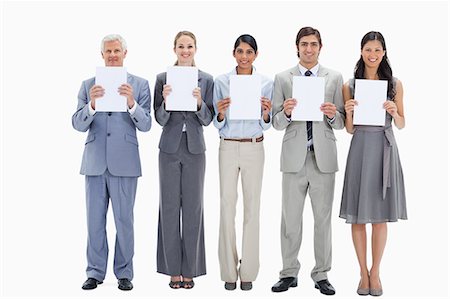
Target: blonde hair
(180,34)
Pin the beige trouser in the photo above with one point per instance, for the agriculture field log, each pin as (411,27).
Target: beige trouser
(248,159)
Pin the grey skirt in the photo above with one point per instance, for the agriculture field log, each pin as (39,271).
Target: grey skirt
(374,190)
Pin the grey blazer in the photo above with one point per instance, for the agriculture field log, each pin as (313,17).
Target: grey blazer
(111,142)
(293,152)
(172,121)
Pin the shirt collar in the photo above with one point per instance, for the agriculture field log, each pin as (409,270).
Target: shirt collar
(313,70)
(234,72)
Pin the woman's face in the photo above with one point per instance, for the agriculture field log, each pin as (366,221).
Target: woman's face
(372,53)
(185,50)
(245,55)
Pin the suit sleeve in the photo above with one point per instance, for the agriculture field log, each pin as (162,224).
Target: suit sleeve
(267,92)
(206,112)
(338,100)
(141,117)
(82,119)
(162,116)
(279,120)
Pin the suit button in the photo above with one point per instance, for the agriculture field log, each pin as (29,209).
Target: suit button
(109,113)
(109,134)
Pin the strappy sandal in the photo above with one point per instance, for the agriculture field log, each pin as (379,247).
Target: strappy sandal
(188,284)
(176,284)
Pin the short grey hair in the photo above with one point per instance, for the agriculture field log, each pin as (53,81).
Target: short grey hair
(113,37)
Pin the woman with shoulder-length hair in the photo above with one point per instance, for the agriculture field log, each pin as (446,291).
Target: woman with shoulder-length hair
(373,190)
(181,248)
(241,151)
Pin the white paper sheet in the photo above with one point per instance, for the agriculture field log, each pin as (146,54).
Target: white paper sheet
(245,94)
(110,78)
(370,95)
(183,80)
(310,94)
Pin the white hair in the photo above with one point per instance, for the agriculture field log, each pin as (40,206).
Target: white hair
(114,37)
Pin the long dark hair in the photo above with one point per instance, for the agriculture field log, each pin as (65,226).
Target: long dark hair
(384,69)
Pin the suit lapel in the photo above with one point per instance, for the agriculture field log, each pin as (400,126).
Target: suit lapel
(323,72)
(200,77)
(295,71)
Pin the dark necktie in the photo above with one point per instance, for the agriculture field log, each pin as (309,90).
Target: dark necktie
(309,123)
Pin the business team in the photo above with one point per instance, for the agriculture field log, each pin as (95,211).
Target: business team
(373,186)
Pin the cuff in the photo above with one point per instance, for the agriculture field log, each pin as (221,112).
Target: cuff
(331,120)
(287,118)
(132,110)
(91,111)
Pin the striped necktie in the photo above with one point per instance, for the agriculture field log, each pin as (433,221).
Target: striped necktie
(309,123)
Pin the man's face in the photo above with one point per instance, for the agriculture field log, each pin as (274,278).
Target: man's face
(113,54)
(309,50)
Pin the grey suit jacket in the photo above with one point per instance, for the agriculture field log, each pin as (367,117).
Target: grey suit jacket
(172,121)
(293,153)
(111,142)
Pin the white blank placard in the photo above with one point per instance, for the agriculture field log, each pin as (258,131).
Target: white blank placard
(245,94)
(110,78)
(309,93)
(370,95)
(183,80)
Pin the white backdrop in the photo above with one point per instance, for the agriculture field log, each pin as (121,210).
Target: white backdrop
(48,48)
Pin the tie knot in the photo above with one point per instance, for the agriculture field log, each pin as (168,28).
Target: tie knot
(308,73)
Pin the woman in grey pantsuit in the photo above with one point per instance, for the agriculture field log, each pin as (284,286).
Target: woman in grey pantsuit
(374,191)
(181,248)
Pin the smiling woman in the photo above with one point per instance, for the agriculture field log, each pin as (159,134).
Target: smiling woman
(182,162)
(185,47)
(241,152)
(374,190)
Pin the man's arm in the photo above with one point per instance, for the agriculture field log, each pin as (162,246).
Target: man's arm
(82,118)
(141,115)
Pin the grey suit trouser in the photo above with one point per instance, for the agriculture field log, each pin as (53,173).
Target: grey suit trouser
(181,245)
(320,187)
(122,192)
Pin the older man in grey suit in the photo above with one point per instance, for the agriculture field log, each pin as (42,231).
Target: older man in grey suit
(308,163)
(112,166)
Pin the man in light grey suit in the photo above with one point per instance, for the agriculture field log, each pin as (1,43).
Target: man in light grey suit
(112,166)
(308,163)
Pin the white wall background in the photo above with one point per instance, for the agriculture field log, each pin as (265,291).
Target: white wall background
(48,48)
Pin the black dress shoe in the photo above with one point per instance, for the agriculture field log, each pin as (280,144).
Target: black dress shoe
(325,287)
(90,284)
(284,284)
(125,284)
(230,286)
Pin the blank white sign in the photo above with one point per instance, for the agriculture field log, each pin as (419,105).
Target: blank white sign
(370,95)
(309,93)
